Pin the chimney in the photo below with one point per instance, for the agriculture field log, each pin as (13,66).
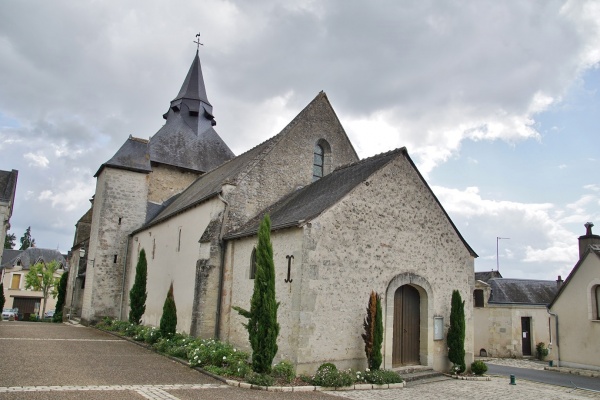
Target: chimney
(586,240)
(559,282)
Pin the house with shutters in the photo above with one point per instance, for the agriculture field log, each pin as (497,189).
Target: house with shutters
(341,228)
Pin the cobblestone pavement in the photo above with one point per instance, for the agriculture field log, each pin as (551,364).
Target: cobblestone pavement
(497,388)
(515,362)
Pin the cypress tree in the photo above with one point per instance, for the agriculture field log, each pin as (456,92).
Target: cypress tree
(168,321)
(2,298)
(377,336)
(138,294)
(262,325)
(373,336)
(60,300)
(456,332)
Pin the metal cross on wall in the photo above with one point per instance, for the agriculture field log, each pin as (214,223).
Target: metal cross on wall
(197,41)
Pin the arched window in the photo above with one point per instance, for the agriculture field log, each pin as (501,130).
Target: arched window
(253,264)
(318,162)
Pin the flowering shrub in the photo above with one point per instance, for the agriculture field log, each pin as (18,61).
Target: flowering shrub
(212,352)
(381,377)
(328,375)
(284,370)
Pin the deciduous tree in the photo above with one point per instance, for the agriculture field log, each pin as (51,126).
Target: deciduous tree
(41,278)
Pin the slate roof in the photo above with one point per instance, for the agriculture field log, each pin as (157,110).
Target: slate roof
(8,185)
(9,255)
(310,201)
(522,291)
(31,255)
(187,140)
(592,249)
(485,276)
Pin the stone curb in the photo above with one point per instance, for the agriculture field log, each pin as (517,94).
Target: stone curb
(245,385)
(469,378)
(575,371)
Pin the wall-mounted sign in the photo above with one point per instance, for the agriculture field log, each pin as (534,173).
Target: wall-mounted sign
(438,328)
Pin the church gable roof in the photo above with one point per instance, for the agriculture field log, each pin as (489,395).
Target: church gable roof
(231,172)
(310,201)
(522,291)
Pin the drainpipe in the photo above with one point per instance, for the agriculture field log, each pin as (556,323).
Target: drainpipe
(557,344)
(223,246)
(124,272)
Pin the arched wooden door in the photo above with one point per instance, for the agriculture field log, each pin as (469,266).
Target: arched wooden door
(407,321)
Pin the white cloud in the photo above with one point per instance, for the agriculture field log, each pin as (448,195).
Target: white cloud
(37,160)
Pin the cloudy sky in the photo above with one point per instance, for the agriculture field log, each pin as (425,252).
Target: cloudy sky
(498,103)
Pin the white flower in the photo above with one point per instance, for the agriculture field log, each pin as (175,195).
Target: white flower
(224,358)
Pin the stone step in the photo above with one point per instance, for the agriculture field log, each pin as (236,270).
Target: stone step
(418,374)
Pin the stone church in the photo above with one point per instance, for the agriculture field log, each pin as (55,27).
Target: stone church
(341,227)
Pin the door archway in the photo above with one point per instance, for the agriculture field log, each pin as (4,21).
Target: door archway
(407,326)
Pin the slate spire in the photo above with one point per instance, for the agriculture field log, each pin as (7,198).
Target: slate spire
(188,139)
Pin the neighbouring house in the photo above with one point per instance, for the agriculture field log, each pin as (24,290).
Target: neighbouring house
(14,267)
(8,188)
(577,309)
(510,315)
(341,227)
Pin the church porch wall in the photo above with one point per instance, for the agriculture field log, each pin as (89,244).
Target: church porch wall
(381,230)
(239,288)
(288,165)
(119,208)
(173,257)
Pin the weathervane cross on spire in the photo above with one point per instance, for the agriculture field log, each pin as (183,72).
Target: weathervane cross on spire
(197,41)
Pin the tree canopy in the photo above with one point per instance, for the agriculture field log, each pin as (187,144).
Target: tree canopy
(26,240)
(9,241)
(41,278)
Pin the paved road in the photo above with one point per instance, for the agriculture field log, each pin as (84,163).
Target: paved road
(57,361)
(84,363)
(550,377)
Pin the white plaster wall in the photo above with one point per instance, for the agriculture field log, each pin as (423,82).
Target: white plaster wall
(167,264)
(388,226)
(239,289)
(579,332)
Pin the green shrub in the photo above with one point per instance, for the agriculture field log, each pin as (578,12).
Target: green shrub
(57,317)
(541,351)
(138,294)
(213,369)
(382,377)
(212,352)
(260,379)
(33,318)
(239,369)
(328,366)
(328,375)
(479,367)
(152,335)
(284,370)
(456,333)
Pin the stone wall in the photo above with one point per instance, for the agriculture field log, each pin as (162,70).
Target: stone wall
(166,181)
(119,208)
(384,232)
(288,165)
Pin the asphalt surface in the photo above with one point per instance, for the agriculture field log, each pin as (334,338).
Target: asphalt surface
(543,376)
(85,363)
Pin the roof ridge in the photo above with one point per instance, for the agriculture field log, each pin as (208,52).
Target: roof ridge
(380,155)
